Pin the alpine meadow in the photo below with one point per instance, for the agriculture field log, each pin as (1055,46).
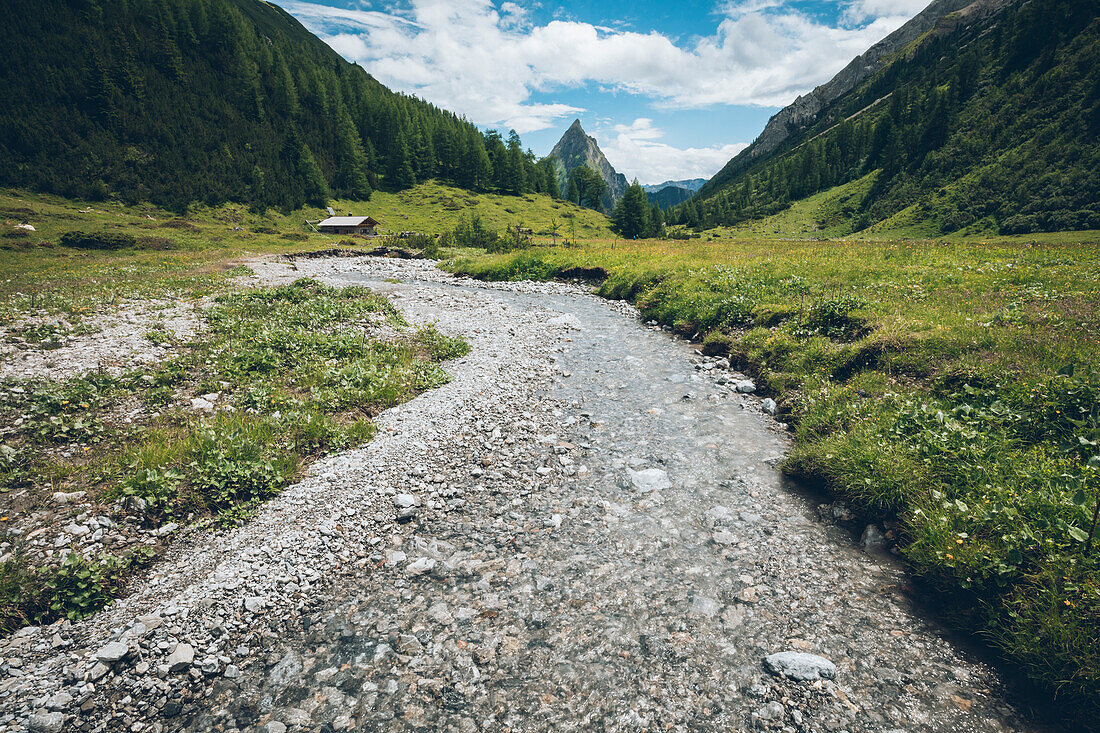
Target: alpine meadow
(330,402)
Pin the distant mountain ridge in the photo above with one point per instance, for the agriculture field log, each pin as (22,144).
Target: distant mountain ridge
(577,148)
(690,184)
(669,196)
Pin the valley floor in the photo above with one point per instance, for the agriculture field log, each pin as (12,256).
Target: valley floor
(595,534)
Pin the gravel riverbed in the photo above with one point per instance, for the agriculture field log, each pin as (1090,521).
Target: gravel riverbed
(584,530)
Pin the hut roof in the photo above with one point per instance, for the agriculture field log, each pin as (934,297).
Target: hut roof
(349,221)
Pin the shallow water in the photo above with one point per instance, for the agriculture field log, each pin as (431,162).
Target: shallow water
(594,603)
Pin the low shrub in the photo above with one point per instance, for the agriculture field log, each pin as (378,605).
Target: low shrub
(97,240)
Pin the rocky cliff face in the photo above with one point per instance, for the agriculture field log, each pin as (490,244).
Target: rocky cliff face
(804,110)
(577,148)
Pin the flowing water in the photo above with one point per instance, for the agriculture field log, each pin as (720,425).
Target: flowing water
(640,591)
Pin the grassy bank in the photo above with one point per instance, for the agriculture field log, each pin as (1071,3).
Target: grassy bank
(948,387)
(283,376)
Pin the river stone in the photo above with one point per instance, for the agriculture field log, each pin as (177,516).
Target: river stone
(800,666)
(651,479)
(288,671)
(98,672)
(181,658)
(568,320)
(724,537)
(746,386)
(200,404)
(872,538)
(46,723)
(59,701)
(420,566)
(769,406)
(62,498)
(112,652)
(703,606)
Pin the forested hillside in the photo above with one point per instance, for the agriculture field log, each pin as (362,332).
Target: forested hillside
(177,101)
(986,124)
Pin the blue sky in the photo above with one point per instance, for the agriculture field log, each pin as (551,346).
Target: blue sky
(669,89)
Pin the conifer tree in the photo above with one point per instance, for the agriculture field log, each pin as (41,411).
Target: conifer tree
(631,217)
(400,173)
(573,193)
(351,177)
(514,174)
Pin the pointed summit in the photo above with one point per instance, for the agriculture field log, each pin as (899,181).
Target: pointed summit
(577,148)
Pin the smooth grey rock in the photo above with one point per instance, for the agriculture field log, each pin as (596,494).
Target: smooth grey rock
(405,501)
(650,479)
(703,606)
(275,727)
(231,672)
(773,710)
(872,538)
(62,498)
(800,666)
(77,530)
(746,386)
(46,723)
(112,652)
(59,701)
(286,672)
(724,537)
(166,529)
(181,658)
(252,604)
(769,406)
(420,566)
(202,405)
(98,672)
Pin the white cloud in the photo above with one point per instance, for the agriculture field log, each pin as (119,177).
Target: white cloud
(634,151)
(487,62)
(858,10)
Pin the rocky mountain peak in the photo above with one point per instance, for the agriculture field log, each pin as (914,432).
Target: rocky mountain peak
(577,148)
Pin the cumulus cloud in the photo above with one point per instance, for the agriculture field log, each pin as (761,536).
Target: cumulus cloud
(636,152)
(486,62)
(861,9)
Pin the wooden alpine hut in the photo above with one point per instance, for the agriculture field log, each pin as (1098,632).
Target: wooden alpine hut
(348,225)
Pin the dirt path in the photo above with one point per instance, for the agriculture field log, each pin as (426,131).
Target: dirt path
(584,530)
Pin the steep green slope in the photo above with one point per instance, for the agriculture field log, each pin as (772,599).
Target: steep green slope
(178,101)
(986,124)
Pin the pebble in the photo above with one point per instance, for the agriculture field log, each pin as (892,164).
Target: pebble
(112,652)
(650,479)
(800,666)
(181,658)
(47,723)
(420,566)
